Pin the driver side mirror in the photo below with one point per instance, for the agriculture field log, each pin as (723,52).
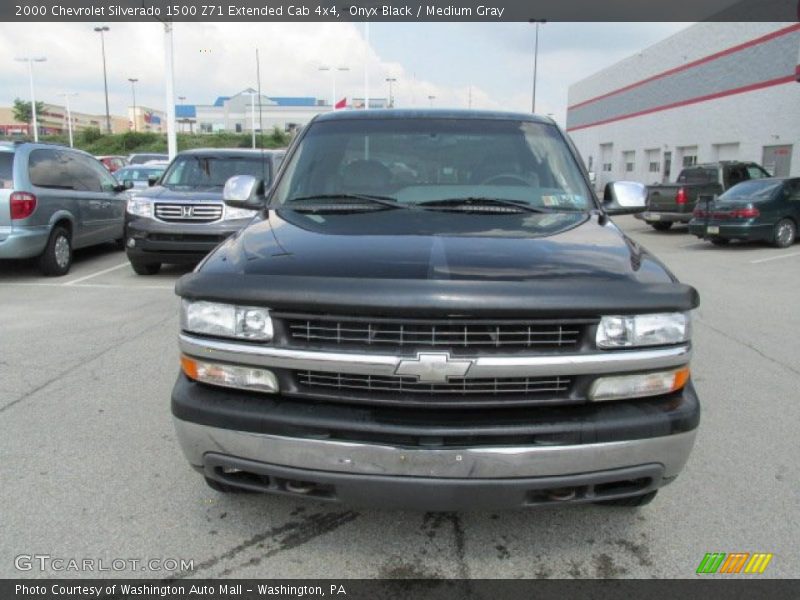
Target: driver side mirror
(244,191)
(625,198)
(153,179)
(127,184)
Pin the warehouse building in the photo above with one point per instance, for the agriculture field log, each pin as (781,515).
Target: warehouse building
(714,91)
(235,113)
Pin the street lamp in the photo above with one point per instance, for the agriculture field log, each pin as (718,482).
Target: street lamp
(30,60)
(253,116)
(133,81)
(69,114)
(431,99)
(101,31)
(535,59)
(333,71)
(390,81)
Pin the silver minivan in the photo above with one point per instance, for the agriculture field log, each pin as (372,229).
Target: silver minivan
(54,199)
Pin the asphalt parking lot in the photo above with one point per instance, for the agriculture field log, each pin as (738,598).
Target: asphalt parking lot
(91,467)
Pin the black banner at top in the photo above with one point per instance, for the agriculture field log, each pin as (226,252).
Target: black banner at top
(399,10)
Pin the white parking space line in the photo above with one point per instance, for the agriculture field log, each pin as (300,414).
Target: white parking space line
(109,286)
(763,260)
(97,273)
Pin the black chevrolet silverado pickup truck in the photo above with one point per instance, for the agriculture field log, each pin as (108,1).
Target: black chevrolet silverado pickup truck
(670,203)
(433,310)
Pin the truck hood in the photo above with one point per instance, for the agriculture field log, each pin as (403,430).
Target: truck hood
(428,261)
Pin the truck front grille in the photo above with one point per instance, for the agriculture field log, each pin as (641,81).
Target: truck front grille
(374,383)
(458,335)
(195,213)
(456,392)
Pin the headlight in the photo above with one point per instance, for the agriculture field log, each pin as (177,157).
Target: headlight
(643,330)
(232,213)
(227,320)
(141,207)
(638,385)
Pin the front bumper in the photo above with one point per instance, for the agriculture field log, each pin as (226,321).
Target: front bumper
(158,241)
(654,216)
(363,457)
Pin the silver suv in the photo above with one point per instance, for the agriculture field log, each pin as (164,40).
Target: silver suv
(54,199)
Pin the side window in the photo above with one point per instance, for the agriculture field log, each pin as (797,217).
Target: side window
(756,172)
(736,175)
(89,175)
(48,169)
(793,190)
(107,181)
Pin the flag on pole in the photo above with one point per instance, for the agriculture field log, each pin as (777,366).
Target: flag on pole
(341,104)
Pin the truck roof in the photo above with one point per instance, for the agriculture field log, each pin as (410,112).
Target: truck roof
(429,113)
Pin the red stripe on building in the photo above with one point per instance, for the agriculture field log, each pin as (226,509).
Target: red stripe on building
(741,90)
(700,61)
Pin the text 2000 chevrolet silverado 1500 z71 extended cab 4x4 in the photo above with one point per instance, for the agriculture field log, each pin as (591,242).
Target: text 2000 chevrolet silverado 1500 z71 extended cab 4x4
(433,310)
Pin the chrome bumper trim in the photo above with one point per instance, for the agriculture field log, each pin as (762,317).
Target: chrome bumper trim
(671,451)
(482,366)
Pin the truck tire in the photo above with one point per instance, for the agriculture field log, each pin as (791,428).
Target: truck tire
(143,268)
(661,225)
(56,259)
(632,501)
(785,233)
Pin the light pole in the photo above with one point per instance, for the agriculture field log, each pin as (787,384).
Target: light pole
(535,60)
(253,116)
(101,31)
(133,81)
(333,71)
(431,99)
(30,60)
(169,63)
(390,81)
(69,114)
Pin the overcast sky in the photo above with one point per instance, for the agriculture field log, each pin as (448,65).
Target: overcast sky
(443,60)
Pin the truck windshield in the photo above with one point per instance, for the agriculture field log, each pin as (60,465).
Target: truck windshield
(192,171)
(419,161)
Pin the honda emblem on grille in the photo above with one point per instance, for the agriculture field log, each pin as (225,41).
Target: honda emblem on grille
(187,212)
(434,367)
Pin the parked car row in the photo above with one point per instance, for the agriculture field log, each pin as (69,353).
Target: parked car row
(727,201)
(55,199)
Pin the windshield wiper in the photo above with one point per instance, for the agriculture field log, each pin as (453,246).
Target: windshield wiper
(348,204)
(479,202)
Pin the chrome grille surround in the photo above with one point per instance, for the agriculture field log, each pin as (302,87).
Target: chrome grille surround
(195,213)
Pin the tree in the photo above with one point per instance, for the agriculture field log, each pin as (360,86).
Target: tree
(22,110)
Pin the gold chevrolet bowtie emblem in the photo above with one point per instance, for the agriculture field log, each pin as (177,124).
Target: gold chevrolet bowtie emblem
(434,367)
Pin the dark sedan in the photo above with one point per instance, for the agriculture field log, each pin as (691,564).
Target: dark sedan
(760,210)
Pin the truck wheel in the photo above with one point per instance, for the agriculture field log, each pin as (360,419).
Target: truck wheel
(224,488)
(57,256)
(143,268)
(785,233)
(632,501)
(720,241)
(661,225)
